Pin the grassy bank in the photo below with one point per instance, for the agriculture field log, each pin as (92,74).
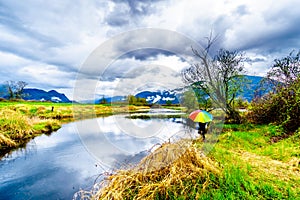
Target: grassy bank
(21,121)
(67,111)
(16,128)
(245,163)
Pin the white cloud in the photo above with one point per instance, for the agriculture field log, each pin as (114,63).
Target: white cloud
(9,60)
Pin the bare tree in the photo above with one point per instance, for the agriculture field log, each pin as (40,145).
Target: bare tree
(10,86)
(15,89)
(219,77)
(283,73)
(285,70)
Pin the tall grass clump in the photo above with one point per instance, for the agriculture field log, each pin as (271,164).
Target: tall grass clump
(186,176)
(14,127)
(17,128)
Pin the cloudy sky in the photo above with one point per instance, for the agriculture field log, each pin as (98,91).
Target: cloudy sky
(103,46)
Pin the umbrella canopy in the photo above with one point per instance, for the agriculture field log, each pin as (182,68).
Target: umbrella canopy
(201,116)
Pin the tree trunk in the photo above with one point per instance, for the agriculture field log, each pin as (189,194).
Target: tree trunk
(232,116)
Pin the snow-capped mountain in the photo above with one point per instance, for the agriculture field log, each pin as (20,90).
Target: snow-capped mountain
(159,97)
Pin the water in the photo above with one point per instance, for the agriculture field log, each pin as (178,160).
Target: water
(57,166)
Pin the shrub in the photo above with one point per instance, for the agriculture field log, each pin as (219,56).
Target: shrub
(281,107)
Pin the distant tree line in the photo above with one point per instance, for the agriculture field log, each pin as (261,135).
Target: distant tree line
(132,100)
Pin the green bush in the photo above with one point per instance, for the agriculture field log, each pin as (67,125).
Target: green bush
(281,107)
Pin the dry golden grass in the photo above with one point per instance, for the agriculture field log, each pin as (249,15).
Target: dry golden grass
(6,141)
(16,128)
(13,126)
(168,166)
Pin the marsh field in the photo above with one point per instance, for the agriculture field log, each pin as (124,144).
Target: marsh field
(245,161)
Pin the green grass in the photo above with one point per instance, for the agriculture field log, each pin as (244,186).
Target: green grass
(268,170)
(47,126)
(258,140)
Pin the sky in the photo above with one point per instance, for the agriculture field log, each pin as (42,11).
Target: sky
(86,49)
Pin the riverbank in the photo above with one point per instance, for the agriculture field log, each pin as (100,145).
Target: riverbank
(20,121)
(16,129)
(245,163)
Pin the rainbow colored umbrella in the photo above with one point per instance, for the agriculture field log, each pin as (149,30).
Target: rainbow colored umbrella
(201,116)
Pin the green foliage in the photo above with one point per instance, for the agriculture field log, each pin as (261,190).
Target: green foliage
(204,101)
(282,105)
(103,100)
(137,101)
(281,108)
(237,184)
(240,103)
(189,100)
(169,102)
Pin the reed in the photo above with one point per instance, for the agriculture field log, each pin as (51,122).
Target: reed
(166,173)
(13,127)
(17,128)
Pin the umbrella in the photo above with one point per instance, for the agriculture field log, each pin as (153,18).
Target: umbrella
(201,116)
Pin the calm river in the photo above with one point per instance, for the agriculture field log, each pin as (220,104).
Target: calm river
(57,166)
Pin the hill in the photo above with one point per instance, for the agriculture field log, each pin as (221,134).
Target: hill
(41,95)
(38,95)
(252,86)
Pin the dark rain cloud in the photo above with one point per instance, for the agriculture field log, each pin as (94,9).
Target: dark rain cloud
(241,10)
(145,54)
(128,12)
(277,32)
(139,7)
(254,60)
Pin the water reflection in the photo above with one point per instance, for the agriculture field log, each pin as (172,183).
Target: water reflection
(109,139)
(57,166)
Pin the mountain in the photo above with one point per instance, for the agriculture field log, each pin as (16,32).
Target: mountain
(252,86)
(38,95)
(41,95)
(159,97)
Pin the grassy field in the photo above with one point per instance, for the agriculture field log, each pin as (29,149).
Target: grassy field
(48,110)
(246,163)
(21,121)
